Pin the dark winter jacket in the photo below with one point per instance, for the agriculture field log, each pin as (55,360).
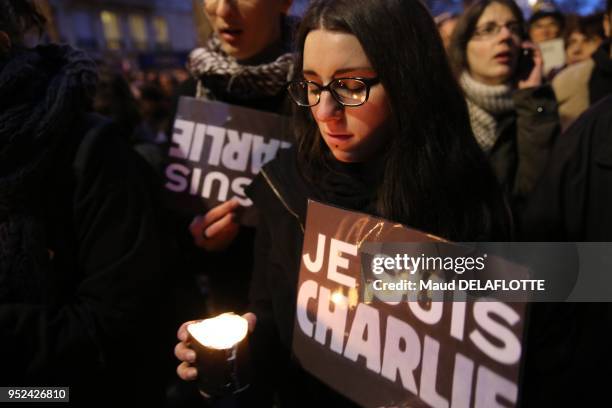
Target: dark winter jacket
(79,259)
(525,137)
(280,194)
(573,202)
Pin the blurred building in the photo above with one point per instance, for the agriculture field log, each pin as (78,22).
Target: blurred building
(567,6)
(456,6)
(148,33)
(298,7)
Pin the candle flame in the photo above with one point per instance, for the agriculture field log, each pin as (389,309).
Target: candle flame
(221,332)
(338,298)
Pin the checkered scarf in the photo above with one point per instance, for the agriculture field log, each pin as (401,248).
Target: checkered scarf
(485,103)
(222,75)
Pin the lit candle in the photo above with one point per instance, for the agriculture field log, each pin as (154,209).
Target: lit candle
(221,350)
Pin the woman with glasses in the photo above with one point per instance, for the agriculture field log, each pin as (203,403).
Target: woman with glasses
(382,130)
(513,114)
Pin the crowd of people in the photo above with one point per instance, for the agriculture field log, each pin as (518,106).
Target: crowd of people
(457,125)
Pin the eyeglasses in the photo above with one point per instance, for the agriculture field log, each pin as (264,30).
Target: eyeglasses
(347,91)
(491,29)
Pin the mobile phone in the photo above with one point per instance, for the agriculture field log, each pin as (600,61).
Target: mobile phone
(525,63)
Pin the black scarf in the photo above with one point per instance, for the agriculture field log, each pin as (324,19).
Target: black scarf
(43,91)
(350,185)
(600,84)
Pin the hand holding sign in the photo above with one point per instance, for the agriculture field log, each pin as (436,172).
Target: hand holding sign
(412,350)
(216,151)
(216,230)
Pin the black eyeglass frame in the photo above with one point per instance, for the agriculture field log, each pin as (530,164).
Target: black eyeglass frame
(368,82)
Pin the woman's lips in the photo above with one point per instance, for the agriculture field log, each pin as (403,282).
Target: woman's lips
(503,57)
(230,35)
(339,137)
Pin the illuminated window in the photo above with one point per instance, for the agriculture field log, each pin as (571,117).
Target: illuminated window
(138,28)
(162,38)
(112,30)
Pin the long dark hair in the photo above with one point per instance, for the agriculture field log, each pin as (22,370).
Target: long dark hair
(436,178)
(464,30)
(19,16)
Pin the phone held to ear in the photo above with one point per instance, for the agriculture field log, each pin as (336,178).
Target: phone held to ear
(525,63)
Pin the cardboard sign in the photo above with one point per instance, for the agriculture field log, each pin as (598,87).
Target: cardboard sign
(216,151)
(461,352)
(553,54)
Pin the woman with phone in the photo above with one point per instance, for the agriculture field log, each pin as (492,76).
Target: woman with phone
(514,118)
(513,113)
(372,137)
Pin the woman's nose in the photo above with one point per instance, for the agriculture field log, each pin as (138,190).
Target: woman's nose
(221,8)
(327,108)
(504,33)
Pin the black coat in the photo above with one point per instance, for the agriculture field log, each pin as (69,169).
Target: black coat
(103,278)
(573,202)
(524,140)
(280,195)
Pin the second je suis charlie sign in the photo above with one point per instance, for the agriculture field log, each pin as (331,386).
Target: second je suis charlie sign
(215,152)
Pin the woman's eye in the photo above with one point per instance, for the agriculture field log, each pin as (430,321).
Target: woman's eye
(350,85)
(489,28)
(515,28)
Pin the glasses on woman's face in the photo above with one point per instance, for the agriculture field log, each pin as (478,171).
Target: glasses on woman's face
(491,29)
(347,91)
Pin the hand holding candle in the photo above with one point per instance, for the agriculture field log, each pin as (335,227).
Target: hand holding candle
(222,331)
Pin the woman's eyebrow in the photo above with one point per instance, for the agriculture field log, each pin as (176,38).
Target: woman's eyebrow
(339,71)
(495,21)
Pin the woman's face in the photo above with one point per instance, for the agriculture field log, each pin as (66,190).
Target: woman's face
(580,47)
(246,27)
(492,59)
(353,134)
